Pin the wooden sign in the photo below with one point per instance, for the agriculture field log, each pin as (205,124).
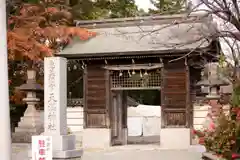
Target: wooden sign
(42,148)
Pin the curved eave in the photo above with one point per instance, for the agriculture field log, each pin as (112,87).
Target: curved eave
(139,54)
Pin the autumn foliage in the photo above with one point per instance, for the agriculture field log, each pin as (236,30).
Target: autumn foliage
(32,25)
(37,30)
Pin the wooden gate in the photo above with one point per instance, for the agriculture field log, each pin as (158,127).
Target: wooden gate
(121,81)
(118,118)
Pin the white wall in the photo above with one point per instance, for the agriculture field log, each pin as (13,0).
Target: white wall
(75,119)
(144,120)
(75,122)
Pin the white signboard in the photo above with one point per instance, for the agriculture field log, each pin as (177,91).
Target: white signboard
(41,148)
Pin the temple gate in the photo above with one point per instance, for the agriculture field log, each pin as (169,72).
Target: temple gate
(128,55)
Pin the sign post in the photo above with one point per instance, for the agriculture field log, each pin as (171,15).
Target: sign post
(55,109)
(42,148)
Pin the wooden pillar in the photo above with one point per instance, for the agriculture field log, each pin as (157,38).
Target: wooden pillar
(96,94)
(124,106)
(162,97)
(175,95)
(107,98)
(188,99)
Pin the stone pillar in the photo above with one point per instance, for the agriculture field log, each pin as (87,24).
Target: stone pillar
(55,105)
(31,123)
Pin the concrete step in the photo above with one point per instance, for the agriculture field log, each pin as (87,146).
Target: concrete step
(27,129)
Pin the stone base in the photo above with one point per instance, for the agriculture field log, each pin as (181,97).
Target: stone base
(175,138)
(29,125)
(125,136)
(142,140)
(77,153)
(96,138)
(64,142)
(22,137)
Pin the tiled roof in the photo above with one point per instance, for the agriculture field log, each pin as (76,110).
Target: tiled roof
(155,35)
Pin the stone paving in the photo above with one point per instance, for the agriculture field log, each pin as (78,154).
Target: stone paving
(130,152)
(19,151)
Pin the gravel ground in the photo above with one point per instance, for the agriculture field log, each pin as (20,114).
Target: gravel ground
(129,152)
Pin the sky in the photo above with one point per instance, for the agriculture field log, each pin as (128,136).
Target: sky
(144,4)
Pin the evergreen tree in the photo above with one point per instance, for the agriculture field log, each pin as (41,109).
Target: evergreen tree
(99,9)
(123,8)
(141,12)
(167,6)
(89,9)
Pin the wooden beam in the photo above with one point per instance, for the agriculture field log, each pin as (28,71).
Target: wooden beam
(163,78)
(175,110)
(133,67)
(135,88)
(85,97)
(107,81)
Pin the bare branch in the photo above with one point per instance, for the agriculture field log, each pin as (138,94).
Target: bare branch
(186,55)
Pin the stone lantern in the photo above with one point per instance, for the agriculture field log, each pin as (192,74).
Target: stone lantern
(32,122)
(213,81)
(214,85)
